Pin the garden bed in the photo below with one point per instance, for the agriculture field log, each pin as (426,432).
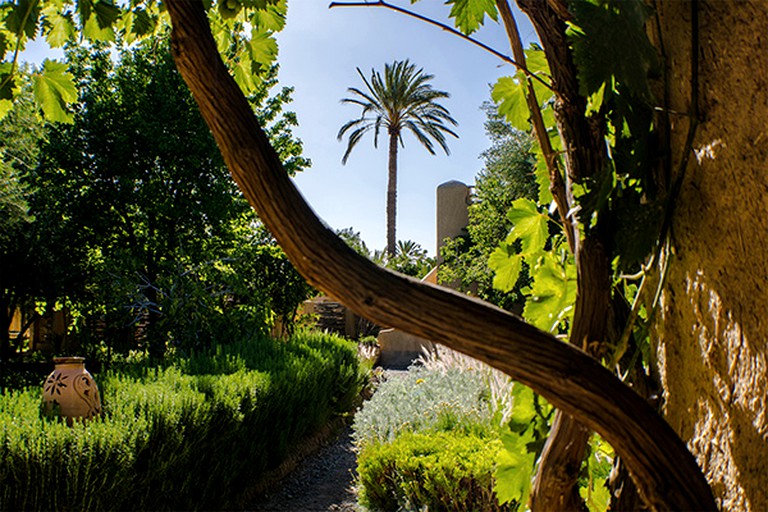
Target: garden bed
(193,434)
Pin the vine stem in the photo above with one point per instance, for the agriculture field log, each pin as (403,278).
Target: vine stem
(557,185)
(506,58)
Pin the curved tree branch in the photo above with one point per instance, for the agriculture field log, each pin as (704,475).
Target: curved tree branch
(665,470)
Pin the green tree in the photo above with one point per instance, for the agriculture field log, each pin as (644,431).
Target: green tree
(402,100)
(139,176)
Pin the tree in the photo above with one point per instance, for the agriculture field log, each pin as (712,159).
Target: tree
(139,179)
(402,100)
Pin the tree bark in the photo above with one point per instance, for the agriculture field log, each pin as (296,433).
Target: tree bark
(566,376)
(392,195)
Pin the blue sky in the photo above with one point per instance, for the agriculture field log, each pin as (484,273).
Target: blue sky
(320,49)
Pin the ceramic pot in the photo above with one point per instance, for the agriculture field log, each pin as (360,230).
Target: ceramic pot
(70,390)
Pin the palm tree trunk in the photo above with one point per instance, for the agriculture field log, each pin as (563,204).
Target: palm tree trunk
(392,195)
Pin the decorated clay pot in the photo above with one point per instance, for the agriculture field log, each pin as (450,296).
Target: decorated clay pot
(70,390)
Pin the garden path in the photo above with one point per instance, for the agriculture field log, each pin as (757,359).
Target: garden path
(322,482)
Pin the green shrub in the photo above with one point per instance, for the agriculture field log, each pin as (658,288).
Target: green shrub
(425,399)
(191,435)
(436,471)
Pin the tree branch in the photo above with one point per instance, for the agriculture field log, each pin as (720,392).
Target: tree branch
(666,471)
(519,64)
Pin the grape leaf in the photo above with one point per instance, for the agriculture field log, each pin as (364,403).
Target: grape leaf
(506,265)
(262,47)
(542,177)
(529,226)
(5,107)
(271,18)
(610,42)
(60,28)
(469,15)
(514,467)
(54,88)
(509,95)
(552,295)
(137,23)
(23,18)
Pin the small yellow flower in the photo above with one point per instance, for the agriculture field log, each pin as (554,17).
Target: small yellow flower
(419,381)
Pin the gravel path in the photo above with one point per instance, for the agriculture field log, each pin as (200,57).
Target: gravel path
(322,482)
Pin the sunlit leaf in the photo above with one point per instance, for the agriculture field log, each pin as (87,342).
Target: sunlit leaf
(60,28)
(469,15)
(529,226)
(506,265)
(262,47)
(552,295)
(509,95)
(5,107)
(542,177)
(54,88)
(514,467)
(271,18)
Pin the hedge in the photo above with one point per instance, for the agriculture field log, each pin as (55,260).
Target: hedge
(192,435)
(435,471)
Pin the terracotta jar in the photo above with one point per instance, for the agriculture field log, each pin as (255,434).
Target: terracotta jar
(70,390)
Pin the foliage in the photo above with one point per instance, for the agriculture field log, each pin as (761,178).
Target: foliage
(451,399)
(244,35)
(617,204)
(409,258)
(179,436)
(430,471)
(150,204)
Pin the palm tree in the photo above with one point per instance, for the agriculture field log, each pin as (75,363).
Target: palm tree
(401,99)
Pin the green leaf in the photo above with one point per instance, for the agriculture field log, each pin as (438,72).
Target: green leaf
(536,61)
(271,18)
(541,173)
(5,107)
(530,226)
(137,23)
(23,18)
(509,95)
(262,47)
(242,74)
(506,266)
(553,294)
(469,15)
(514,468)
(54,88)
(610,42)
(60,28)
(523,408)
(106,13)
